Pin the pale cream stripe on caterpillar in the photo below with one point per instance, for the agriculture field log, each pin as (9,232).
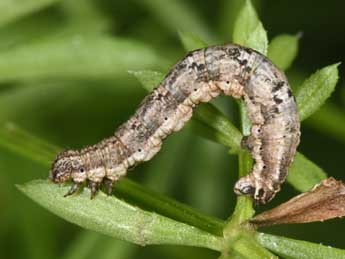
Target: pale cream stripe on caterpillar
(200,76)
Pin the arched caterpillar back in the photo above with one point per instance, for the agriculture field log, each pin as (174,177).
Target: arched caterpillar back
(200,76)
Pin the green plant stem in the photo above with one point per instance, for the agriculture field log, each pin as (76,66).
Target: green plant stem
(236,234)
(244,206)
(250,249)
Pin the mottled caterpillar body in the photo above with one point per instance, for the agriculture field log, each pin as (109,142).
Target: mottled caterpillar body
(198,77)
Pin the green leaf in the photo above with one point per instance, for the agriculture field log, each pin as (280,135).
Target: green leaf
(329,120)
(191,41)
(249,31)
(316,89)
(258,39)
(283,50)
(297,249)
(304,174)
(246,22)
(12,10)
(244,207)
(76,57)
(228,12)
(116,218)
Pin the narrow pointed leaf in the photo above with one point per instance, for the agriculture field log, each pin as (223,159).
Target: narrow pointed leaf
(283,50)
(245,23)
(258,39)
(249,31)
(116,218)
(316,89)
(297,249)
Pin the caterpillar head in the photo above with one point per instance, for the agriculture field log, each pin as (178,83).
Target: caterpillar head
(66,164)
(260,192)
(245,186)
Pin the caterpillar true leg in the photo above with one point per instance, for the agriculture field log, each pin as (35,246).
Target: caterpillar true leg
(74,188)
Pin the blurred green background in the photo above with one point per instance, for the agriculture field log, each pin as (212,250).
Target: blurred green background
(63,77)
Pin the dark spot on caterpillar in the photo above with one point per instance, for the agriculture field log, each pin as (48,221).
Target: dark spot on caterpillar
(181,66)
(277,100)
(276,110)
(195,89)
(233,52)
(243,62)
(278,86)
(198,67)
(160,96)
(139,150)
(289,93)
(166,118)
(249,51)
(228,82)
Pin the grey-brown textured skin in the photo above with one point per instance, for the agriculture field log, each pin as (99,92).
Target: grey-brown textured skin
(200,76)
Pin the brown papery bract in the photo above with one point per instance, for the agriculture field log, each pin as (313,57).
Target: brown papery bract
(324,201)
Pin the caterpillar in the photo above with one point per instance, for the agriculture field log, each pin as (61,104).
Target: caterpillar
(201,75)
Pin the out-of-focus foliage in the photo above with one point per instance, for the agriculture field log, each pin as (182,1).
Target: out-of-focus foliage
(63,74)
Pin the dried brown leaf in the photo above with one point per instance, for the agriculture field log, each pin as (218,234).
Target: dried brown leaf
(325,200)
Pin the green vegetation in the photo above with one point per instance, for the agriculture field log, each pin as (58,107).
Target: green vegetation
(70,76)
